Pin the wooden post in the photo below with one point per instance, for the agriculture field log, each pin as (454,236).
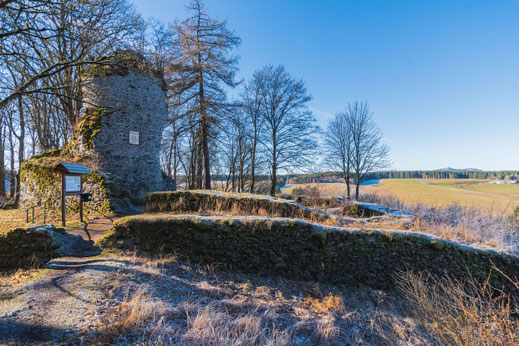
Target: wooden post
(63,199)
(80,209)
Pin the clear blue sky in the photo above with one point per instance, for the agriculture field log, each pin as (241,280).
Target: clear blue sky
(442,77)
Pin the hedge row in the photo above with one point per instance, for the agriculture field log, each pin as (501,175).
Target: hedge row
(304,251)
(195,201)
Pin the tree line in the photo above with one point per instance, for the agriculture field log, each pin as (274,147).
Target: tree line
(219,126)
(334,176)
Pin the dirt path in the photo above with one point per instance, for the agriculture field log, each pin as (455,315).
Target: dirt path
(53,307)
(93,229)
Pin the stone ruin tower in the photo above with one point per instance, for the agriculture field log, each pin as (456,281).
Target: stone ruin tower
(118,136)
(127,103)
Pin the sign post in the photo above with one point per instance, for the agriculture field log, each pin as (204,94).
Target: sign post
(72,184)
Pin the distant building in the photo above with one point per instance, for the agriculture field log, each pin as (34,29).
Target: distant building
(503,182)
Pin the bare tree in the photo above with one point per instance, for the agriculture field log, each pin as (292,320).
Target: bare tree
(368,151)
(204,66)
(289,125)
(56,39)
(2,155)
(338,141)
(252,100)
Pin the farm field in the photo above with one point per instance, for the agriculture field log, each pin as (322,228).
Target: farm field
(467,192)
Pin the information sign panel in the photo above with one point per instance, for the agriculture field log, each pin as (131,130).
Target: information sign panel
(72,183)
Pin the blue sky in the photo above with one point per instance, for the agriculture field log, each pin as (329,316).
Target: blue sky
(442,77)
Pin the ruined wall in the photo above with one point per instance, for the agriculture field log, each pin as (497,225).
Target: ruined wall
(195,201)
(122,94)
(306,251)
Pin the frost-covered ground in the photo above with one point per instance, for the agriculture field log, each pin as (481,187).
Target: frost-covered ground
(128,299)
(467,225)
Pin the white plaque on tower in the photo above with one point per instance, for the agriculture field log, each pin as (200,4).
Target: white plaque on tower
(134,137)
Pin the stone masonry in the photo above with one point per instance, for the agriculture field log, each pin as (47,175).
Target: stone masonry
(118,137)
(134,103)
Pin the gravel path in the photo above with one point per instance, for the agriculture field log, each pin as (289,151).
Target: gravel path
(65,299)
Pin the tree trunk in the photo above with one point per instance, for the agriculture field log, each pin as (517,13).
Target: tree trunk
(253,159)
(21,148)
(358,178)
(252,169)
(12,180)
(273,180)
(274,168)
(199,163)
(2,163)
(347,181)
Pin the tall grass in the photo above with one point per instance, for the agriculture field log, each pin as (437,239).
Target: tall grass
(461,312)
(494,227)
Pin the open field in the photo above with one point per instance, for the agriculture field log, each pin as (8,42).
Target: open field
(437,192)
(466,192)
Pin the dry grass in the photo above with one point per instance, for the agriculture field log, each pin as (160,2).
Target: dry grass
(153,301)
(328,304)
(214,326)
(467,225)
(457,312)
(173,302)
(14,218)
(219,207)
(439,192)
(135,312)
(11,218)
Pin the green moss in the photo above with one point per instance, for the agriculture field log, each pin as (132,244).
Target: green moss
(195,201)
(305,251)
(23,248)
(44,185)
(437,244)
(89,125)
(120,63)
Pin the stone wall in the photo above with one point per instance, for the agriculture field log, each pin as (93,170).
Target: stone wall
(304,251)
(195,201)
(32,247)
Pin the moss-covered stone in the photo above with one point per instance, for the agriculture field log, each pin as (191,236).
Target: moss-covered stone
(300,250)
(24,248)
(120,63)
(41,185)
(249,204)
(89,125)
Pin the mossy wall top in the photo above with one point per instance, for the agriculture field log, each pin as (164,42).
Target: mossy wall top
(248,204)
(300,250)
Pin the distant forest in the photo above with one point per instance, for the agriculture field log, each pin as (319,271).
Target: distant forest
(336,176)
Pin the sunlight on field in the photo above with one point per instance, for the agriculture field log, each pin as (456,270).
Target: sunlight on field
(468,192)
(10,219)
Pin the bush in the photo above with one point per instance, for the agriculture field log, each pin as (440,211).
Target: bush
(461,312)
